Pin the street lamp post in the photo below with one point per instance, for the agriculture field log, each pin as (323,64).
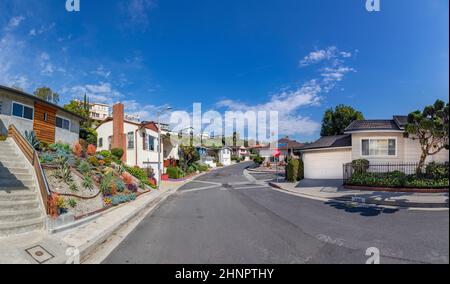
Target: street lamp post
(159,112)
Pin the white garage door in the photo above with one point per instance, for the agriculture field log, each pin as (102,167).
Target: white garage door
(326,164)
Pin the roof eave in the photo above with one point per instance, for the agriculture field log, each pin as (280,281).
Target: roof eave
(373,131)
(324,148)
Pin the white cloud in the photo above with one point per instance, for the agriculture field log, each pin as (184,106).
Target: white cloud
(102,72)
(289,102)
(318,55)
(326,54)
(146,112)
(41,30)
(137,12)
(14,22)
(47,68)
(101,93)
(11,56)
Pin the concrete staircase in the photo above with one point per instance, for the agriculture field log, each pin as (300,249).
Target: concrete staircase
(20,206)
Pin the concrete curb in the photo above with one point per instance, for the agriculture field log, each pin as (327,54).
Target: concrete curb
(369,201)
(92,244)
(94,240)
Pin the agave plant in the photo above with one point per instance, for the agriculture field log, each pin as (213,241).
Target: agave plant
(88,183)
(32,139)
(105,184)
(65,174)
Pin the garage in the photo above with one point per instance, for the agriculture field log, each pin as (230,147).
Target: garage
(324,159)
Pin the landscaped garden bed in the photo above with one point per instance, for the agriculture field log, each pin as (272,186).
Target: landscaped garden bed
(433,179)
(83,181)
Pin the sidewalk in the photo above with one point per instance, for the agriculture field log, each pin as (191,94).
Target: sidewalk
(85,237)
(330,192)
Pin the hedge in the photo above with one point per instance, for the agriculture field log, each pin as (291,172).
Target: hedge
(397,180)
(292,170)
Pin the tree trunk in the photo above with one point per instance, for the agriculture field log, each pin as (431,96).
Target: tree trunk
(423,158)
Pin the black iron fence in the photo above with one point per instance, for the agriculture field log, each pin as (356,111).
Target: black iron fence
(385,168)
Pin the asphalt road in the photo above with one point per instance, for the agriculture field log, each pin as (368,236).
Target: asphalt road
(221,218)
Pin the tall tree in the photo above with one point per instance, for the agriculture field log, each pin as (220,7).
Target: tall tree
(78,108)
(47,94)
(430,127)
(336,120)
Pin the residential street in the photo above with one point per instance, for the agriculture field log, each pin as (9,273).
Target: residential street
(223,218)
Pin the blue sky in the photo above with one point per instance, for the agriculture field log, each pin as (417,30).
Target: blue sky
(300,57)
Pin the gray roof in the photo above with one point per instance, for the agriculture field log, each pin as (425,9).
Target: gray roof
(401,120)
(397,123)
(33,97)
(330,142)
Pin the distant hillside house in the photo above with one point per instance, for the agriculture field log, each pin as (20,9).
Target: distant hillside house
(26,112)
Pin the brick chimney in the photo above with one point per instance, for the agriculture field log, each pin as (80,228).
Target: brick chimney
(119,136)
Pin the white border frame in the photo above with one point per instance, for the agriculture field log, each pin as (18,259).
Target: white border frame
(27,105)
(61,117)
(378,138)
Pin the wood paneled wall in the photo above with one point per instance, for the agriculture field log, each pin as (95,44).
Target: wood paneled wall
(44,129)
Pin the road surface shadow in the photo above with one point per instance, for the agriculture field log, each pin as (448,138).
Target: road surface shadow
(369,211)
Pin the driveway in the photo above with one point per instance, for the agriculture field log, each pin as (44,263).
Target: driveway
(223,218)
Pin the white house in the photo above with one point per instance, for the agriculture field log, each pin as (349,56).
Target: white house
(139,141)
(378,141)
(225,156)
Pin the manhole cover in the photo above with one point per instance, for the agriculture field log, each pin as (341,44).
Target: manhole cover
(39,254)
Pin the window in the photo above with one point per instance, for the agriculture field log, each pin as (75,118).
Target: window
(62,123)
(151,143)
(1,103)
(130,139)
(378,147)
(22,111)
(45,116)
(100,142)
(109,142)
(144,141)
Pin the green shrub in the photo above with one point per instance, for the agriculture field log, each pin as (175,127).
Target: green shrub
(437,171)
(105,184)
(84,167)
(301,170)
(140,174)
(89,135)
(105,154)
(397,179)
(257,159)
(292,170)
(72,203)
(202,167)
(3,137)
(94,161)
(117,153)
(73,187)
(415,182)
(60,147)
(360,166)
(175,172)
